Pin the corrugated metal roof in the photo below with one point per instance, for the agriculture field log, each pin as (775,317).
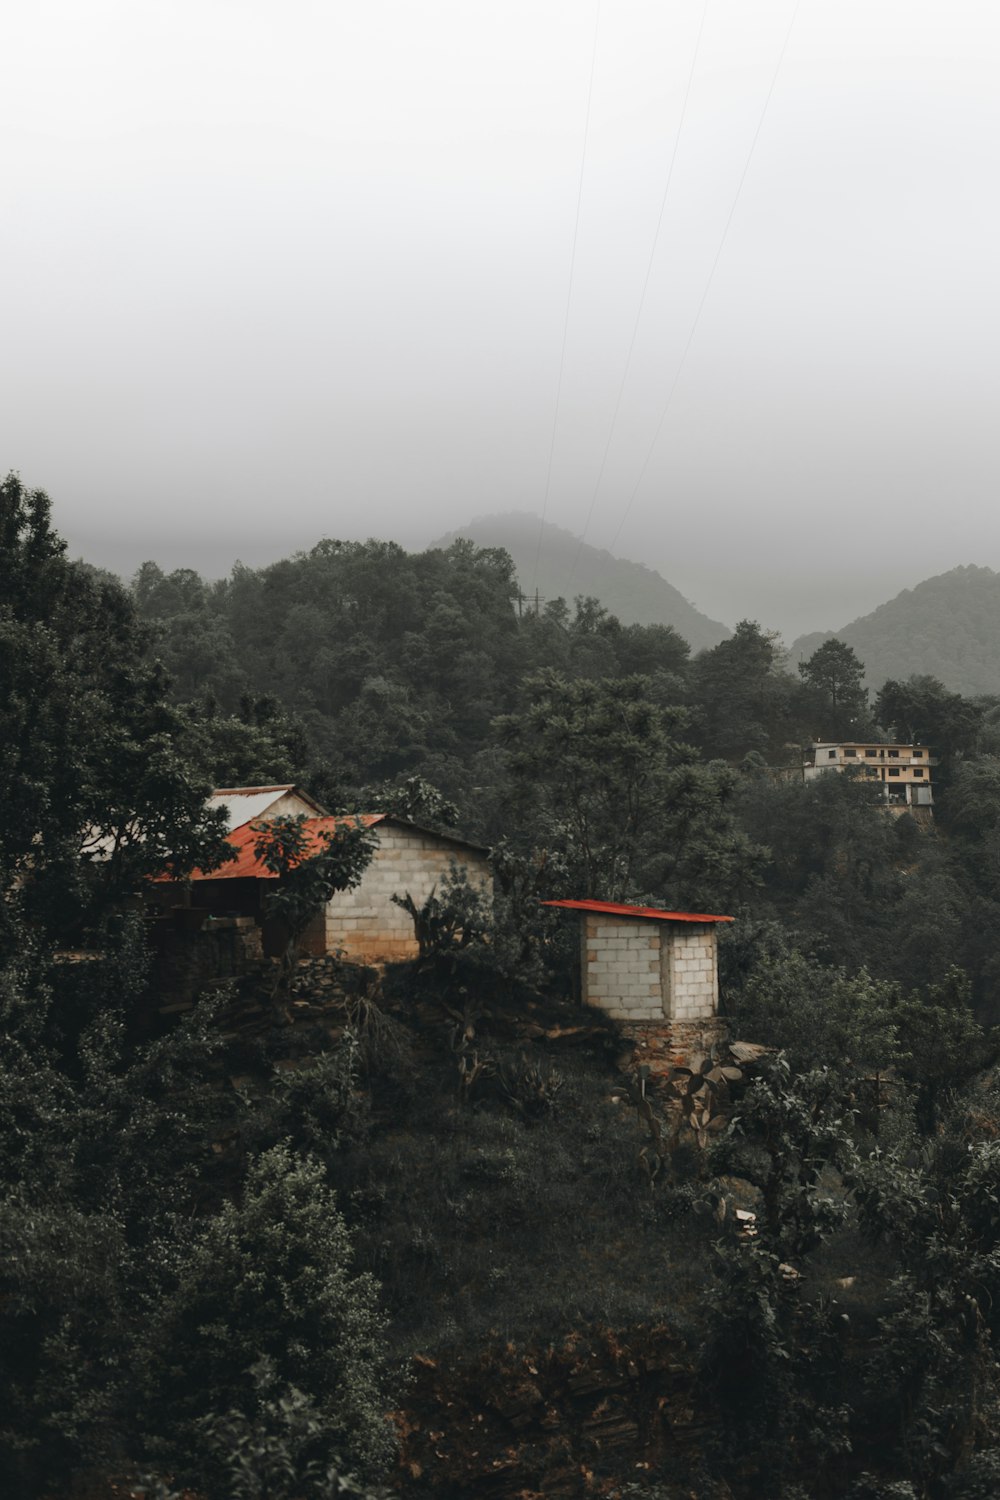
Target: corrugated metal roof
(243,836)
(244,804)
(648,913)
(247,866)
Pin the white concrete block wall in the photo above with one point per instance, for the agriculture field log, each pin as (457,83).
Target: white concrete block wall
(641,970)
(694,977)
(620,964)
(366,922)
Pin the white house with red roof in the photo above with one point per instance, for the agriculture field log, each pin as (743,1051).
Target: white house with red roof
(365,923)
(647,966)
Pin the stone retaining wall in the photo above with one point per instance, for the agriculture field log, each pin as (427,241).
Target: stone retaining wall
(664,1047)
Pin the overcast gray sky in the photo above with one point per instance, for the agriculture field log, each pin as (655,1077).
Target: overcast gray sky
(273,271)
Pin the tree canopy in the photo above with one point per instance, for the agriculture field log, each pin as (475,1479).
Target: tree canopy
(225,1231)
(835,677)
(94,794)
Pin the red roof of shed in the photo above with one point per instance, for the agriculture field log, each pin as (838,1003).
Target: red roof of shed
(649,913)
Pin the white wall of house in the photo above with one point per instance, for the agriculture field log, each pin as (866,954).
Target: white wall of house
(366,922)
(248,804)
(620,967)
(289,805)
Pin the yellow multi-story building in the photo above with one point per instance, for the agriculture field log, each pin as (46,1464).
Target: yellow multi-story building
(902,771)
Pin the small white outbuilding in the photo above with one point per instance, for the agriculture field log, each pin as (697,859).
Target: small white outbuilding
(646,966)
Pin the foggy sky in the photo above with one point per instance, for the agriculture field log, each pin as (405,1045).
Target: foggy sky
(277,271)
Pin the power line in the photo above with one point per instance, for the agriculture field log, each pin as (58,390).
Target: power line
(708,283)
(642,299)
(569,296)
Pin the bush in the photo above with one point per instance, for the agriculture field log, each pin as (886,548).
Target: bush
(62,1327)
(280,1452)
(269,1276)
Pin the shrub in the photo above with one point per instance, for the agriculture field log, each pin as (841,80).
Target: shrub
(270,1276)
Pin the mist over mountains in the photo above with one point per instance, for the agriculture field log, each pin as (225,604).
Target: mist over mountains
(947,626)
(557,564)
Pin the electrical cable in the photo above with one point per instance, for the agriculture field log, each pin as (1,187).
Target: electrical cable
(708,283)
(569,299)
(642,302)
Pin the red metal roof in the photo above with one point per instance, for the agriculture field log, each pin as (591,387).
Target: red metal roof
(648,913)
(246,865)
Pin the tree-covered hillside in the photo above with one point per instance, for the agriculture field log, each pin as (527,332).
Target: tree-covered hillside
(626,767)
(554,562)
(946,627)
(440,1228)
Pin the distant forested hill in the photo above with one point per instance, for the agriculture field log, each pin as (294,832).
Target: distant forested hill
(635,594)
(947,627)
(390,663)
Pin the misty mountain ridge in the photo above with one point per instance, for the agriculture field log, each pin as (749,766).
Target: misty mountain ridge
(946,627)
(556,564)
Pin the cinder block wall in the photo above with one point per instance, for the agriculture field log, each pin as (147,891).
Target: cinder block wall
(366,923)
(621,967)
(643,971)
(694,971)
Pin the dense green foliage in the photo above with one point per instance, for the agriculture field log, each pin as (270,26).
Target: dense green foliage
(945,627)
(553,562)
(214,1250)
(94,790)
(603,749)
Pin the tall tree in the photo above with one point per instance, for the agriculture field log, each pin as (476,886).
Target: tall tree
(601,775)
(743,695)
(271,1276)
(590,755)
(310,868)
(838,694)
(93,792)
(921,710)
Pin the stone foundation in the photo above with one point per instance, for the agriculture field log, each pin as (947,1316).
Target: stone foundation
(330,978)
(665,1046)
